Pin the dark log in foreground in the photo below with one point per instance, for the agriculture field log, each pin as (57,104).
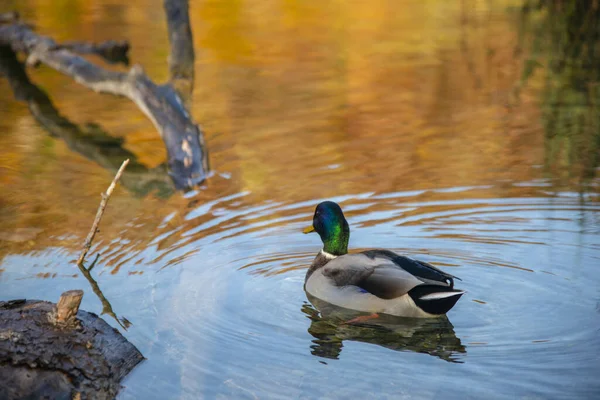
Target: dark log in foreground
(47,353)
(183,139)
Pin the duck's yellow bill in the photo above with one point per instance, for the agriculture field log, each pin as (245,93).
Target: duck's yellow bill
(308,229)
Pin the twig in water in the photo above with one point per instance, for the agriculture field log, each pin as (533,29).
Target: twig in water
(99,213)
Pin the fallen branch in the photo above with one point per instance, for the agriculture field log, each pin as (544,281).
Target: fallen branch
(183,139)
(99,213)
(89,140)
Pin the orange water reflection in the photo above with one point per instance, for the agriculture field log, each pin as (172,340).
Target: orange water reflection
(299,100)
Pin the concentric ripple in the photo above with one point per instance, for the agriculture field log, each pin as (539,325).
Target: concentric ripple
(218,308)
(234,320)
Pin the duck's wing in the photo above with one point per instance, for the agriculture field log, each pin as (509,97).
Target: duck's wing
(378,275)
(386,274)
(420,269)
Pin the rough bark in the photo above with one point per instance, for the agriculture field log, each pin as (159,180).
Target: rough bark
(183,139)
(67,307)
(41,360)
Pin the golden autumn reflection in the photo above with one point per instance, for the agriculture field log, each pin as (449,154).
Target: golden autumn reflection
(451,131)
(300,100)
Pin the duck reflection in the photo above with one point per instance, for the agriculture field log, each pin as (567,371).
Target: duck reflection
(329,327)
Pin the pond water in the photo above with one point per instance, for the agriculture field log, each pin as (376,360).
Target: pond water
(424,121)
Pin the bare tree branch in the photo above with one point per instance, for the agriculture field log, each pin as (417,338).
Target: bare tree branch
(89,140)
(187,158)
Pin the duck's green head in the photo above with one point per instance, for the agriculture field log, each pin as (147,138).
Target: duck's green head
(330,224)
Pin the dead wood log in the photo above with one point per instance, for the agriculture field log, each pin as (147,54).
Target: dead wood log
(89,140)
(187,159)
(43,360)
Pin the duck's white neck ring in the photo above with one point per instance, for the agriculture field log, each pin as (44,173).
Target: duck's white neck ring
(327,255)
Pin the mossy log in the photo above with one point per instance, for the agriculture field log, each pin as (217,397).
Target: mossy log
(52,351)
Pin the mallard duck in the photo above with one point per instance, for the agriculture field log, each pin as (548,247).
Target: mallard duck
(373,281)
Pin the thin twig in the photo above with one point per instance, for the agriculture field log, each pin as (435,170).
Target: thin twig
(99,213)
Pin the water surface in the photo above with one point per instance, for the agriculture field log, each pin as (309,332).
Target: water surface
(418,119)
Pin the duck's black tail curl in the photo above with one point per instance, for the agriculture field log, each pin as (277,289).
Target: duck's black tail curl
(434,299)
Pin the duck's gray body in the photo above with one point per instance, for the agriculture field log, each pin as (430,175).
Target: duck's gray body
(381,281)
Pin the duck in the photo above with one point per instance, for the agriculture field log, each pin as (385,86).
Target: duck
(373,281)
